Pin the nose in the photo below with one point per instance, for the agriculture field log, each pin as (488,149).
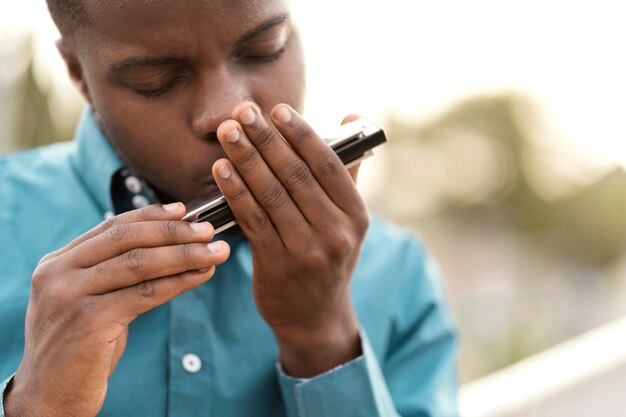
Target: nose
(218,92)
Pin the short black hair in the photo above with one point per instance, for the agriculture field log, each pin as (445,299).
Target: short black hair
(68,15)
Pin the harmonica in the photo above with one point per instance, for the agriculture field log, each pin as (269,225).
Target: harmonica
(353,142)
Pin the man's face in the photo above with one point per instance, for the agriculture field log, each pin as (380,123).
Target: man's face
(162,75)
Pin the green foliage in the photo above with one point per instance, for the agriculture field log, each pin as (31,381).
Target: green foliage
(587,227)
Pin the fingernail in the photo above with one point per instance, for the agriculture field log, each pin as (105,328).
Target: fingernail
(202,228)
(171,207)
(282,114)
(233,136)
(204,271)
(215,247)
(248,116)
(224,171)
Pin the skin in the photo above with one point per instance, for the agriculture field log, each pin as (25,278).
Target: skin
(195,95)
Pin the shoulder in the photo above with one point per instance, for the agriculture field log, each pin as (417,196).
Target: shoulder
(396,249)
(384,232)
(38,188)
(35,174)
(397,288)
(36,164)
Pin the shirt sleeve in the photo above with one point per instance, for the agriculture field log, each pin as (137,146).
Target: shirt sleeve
(356,388)
(3,387)
(415,375)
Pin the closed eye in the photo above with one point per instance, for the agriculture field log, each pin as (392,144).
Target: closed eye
(155,92)
(265,58)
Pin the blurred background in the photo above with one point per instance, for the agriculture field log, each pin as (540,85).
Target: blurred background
(506,155)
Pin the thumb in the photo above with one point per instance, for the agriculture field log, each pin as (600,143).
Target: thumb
(120,345)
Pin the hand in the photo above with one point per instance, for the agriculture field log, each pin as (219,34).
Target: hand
(85,295)
(306,222)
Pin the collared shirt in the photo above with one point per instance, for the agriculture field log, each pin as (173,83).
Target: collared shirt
(208,352)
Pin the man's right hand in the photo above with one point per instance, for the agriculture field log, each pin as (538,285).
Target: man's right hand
(84,296)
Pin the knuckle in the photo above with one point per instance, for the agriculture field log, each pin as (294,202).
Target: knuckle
(340,245)
(117,233)
(265,243)
(315,259)
(40,279)
(149,212)
(296,174)
(47,258)
(240,193)
(273,196)
(134,259)
(186,251)
(106,225)
(264,139)
(46,285)
(169,228)
(329,165)
(247,158)
(362,220)
(146,289)
(101,268)
(302,133)
(255,220)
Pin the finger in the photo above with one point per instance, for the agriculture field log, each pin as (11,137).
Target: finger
(123,237)
(255,170)
(350,118)
(130,302)
(141,264)
(174,211)
(354,170)
(325,165)
(288,166)
(254,221)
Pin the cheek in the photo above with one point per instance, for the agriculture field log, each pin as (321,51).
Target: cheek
(140,130)
(139,137)
(296,78)
(284,82)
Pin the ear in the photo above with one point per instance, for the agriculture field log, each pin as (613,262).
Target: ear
(74,68)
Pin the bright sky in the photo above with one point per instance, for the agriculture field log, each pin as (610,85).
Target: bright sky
(418,57)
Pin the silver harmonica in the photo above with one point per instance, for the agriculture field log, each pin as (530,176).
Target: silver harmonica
(353,142)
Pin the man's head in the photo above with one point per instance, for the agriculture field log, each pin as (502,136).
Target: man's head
(68,15)
(161,75)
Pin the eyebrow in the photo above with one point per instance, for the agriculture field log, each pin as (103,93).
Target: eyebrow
(267,25)
(135,61)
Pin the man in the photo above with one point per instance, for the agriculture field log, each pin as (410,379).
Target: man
(306,314)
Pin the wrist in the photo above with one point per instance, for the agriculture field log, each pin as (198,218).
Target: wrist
(310,351)
(18,405)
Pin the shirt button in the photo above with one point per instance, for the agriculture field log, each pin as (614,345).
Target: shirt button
(140,201)
(192,363)
(133,184)
(108,215)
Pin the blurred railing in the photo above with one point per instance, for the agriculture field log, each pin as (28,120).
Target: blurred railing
(584,377)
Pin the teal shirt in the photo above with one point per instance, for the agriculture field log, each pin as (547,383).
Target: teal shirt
(208,352)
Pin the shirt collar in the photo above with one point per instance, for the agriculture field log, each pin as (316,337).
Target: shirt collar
(95,160)
(106,177)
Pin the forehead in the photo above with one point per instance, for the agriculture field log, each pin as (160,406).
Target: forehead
(175,24)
